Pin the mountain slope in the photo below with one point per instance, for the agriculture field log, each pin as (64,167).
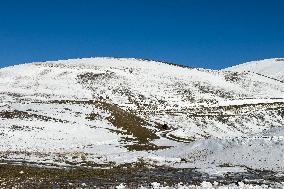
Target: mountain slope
(100,110)
(273,68)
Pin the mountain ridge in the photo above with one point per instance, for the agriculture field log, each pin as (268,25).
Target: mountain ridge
(272,68)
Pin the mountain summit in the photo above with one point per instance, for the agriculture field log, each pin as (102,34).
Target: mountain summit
(273,68)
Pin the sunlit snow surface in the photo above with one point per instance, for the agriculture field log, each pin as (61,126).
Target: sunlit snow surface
(216,120)
(207,185)
(272,68)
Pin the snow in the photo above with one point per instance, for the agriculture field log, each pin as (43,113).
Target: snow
(273,68)
(121,186)
(214,117)
(208,185)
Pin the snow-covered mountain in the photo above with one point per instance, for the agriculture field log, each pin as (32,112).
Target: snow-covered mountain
(96,111)
(273,68)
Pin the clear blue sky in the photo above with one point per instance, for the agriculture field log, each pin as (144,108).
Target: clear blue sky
(200,33)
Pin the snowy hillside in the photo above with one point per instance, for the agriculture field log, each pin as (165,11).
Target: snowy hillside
(273,68)
(97,111)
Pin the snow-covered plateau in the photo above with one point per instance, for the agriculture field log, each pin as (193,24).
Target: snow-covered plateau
(115,111)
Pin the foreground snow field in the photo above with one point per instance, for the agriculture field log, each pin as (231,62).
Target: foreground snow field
(109,111)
